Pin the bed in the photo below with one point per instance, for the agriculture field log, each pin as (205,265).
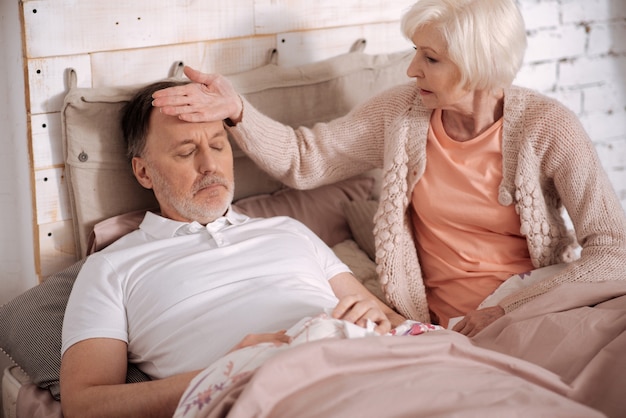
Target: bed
(559,355)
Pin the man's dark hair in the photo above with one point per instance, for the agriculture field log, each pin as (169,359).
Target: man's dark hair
(136,116)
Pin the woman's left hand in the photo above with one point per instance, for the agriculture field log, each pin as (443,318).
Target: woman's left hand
(476,321)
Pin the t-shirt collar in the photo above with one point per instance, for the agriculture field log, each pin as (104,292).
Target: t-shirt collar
(161,228)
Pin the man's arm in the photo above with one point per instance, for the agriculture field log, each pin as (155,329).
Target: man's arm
(357,304)
(93,376)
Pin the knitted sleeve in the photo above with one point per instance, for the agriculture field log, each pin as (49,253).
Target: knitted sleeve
(327,152)
(558,164)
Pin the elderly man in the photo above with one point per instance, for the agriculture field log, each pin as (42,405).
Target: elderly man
(193,282)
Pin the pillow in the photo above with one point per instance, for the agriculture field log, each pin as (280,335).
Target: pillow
(360,217)
(363,268)
(320,209)
(30,330)
(110,230)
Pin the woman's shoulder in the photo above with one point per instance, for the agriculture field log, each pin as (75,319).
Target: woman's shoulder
(532,106)
(527,97)
(548,126)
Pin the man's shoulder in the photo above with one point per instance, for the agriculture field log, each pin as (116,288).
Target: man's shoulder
(132,239)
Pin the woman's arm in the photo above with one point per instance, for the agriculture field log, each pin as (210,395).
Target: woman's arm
(303,157)
(572,174)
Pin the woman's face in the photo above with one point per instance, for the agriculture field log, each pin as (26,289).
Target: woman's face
(437,77)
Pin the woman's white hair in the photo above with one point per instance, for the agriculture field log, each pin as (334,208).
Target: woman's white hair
(486,38)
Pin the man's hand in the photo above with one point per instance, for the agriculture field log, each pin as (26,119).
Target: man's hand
(277,338)
(357,304)
(358,309)
(209,98)
(476,321)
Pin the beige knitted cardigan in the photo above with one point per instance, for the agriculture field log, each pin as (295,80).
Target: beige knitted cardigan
(548,162)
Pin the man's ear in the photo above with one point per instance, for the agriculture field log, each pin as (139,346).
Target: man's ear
(141,172)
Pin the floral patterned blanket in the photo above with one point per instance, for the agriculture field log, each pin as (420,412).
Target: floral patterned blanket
(239,365)
(560,355)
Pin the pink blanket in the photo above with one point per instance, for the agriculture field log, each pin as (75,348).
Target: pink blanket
(561,355)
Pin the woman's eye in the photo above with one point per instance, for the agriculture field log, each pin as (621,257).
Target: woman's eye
(431,60)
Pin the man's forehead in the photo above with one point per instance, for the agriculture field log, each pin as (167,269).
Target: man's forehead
(178,131)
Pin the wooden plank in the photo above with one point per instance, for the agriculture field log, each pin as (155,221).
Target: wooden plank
(56,247)
(74,27)
(51,196)
(296,48)
(47,84)
(272,16)
(46,140)
(143,65)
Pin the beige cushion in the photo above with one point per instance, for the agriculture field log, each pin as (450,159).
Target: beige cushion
(101,184)
(110,230)
(363,268)
(360,217)
(321,91)
(320,209)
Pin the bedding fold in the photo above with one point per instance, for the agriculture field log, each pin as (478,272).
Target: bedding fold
(560,355)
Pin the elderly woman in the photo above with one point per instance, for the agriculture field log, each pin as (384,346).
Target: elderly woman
(475,171)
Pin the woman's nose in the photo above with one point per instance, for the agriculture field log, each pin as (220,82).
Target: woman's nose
(414,70)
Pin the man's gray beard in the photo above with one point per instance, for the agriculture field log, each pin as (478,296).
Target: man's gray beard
(202,213)
(188,208)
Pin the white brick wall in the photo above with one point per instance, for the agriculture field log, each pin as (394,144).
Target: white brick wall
(576,11)
(577,54)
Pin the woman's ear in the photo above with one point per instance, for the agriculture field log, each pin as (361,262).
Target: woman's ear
(141,172)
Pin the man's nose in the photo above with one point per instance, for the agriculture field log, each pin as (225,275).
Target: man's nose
(207,163)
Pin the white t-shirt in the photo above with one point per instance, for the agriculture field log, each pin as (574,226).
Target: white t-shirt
(182,294)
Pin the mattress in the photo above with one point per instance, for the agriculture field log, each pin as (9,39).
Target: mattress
(12,379)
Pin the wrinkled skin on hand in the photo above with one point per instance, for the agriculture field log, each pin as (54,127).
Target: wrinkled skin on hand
(358,309)
(209,98)
(476,321)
